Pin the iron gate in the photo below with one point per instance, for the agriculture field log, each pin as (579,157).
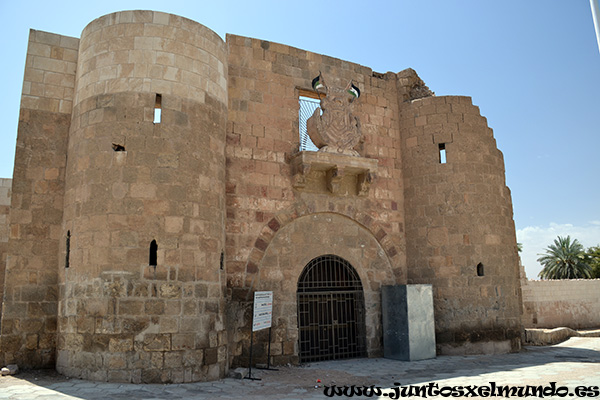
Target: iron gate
(331,316)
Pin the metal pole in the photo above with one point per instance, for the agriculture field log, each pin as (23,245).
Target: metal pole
(596,16)
(250,365)
(251,346)
(252,325)
(269,351)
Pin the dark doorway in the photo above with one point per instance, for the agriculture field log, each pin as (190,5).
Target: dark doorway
(331,311)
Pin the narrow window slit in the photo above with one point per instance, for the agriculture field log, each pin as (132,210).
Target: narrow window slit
(68,249)
(480,269)
(442,148)
(153,252)
(157,109)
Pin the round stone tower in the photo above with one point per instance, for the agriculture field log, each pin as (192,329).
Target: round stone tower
(460,235)
(142,292)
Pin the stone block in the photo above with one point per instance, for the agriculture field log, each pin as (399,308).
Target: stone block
(238,373)
(130,307)
(10,369)
(154,307)
(120,345)
(443,137)
(170,290)
(168,325)
(151,376)
(183,341)
(157,342)
(173,360)
(193,358)
(116,362)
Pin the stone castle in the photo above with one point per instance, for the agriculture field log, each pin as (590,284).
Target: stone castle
(160,179)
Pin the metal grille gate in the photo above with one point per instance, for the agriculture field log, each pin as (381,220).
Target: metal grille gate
(331,316)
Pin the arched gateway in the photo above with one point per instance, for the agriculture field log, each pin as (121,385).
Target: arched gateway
(331,311)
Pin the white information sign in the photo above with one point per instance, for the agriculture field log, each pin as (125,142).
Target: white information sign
(263,310)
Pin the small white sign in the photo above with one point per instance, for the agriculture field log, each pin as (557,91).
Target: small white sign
(263,310)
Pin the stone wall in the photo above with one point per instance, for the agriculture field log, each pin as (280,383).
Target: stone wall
(30,302)
(263,194)
(5,194)
(561,303)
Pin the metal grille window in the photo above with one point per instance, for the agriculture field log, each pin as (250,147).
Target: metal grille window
(331,311)
(308,105)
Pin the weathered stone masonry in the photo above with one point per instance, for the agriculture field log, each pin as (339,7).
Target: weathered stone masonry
(135,242)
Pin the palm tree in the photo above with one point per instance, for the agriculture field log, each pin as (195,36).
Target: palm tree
(594,260)
(564,260)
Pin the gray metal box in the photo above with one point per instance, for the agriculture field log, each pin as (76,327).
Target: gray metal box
(408,324)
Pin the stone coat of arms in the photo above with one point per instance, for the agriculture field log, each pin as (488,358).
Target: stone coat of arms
(332,127)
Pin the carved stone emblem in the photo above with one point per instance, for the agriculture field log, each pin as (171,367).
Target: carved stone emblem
(336,130)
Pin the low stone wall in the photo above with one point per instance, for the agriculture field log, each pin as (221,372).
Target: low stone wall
(545,337)
(561,303)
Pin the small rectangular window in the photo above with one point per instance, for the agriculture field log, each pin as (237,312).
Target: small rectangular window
(157,109)
(442,147)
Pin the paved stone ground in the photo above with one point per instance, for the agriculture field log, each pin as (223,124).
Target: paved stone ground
(573,363)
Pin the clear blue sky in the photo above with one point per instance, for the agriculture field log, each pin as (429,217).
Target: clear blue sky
(533,68)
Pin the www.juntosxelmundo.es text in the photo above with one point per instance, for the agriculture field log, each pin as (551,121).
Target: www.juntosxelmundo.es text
(433,389)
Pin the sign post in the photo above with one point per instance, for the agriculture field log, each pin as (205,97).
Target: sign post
(261,319)
(263,310)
